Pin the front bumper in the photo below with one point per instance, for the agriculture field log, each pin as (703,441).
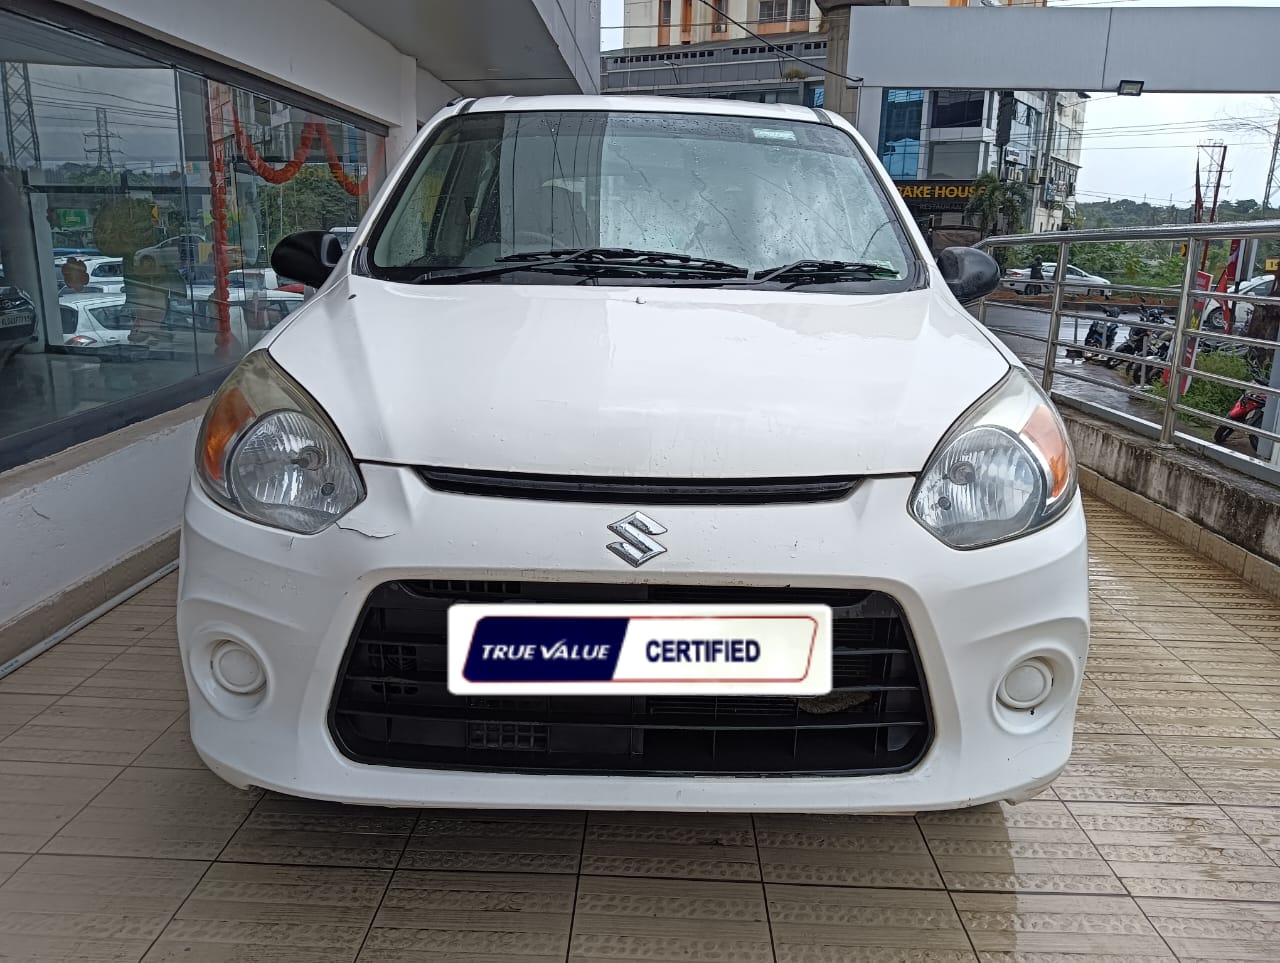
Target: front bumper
(294,599)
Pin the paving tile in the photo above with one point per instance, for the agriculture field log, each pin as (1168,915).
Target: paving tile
(681,845)
(1216,929)
(1090,927)
(106,744)
(836,924)
(496,840)
(1261,824)
(88,908)
(306,832)
(1035,846)
(659,919)
(428,916)
(161,813)
(9,863)
(875,851)
(37,799)
(19,708)
(273,913)
(172,749)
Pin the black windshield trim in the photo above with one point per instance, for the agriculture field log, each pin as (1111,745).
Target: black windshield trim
(362,262)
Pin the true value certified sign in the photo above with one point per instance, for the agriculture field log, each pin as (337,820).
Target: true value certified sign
(936,195)
(543,649)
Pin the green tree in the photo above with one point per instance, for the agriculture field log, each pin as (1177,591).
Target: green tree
(311,201)
(997,205)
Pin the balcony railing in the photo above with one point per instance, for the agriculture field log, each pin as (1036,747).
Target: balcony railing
(1143,382)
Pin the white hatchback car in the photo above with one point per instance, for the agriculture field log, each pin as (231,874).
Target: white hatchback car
(631,351)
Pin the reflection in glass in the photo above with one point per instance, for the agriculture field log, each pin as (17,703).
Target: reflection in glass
(138,209)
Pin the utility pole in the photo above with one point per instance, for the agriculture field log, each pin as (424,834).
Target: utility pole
(100,138)
(838,97)
(1217,167)
(19,115)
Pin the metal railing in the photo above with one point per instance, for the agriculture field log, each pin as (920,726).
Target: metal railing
(1173,368)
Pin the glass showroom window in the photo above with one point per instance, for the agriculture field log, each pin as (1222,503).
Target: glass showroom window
(138,207)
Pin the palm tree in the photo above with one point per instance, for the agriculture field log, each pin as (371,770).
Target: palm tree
(997,205)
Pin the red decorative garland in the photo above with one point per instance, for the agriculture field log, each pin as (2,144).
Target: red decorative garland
(219,96)
(348,183)
(262,168)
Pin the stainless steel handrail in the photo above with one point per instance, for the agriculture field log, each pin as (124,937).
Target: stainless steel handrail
(1067,292)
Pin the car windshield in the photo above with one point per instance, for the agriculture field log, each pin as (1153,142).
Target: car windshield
(734,193)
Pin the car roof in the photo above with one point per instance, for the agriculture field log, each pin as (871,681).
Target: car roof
(648,104)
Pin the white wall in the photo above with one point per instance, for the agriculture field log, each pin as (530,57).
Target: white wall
(309,45)
(64,529)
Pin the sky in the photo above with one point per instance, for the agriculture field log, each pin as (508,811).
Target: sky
(1145,147)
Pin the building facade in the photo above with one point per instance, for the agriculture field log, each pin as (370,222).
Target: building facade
(934,143)
(152,152)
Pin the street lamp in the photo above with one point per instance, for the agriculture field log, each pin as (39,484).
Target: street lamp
(675,69)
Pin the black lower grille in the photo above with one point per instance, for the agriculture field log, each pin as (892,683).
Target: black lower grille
(392,706)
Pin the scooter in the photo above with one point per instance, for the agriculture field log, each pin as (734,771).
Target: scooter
(1248,411)
(1101,336)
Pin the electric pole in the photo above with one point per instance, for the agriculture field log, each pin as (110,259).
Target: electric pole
(19,115)
(100,138)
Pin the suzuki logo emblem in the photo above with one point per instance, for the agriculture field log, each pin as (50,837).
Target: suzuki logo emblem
(636,546)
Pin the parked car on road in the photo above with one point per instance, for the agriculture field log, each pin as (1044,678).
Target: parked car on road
(1075,280)
(1212,313)
(686,482)
(179,251)
(95,320)
(105,274)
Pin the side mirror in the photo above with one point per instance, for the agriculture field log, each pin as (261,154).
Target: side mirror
(309,256)
(970,274)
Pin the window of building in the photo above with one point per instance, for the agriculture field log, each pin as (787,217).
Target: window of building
(900,117)
(772,11)
(664,11)
(719,16)
(114,242)
(799,10)
(957,108)
(955,160)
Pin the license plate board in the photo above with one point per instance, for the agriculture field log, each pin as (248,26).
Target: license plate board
(611,649)
(16,319)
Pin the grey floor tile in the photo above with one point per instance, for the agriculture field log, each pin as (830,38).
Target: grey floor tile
(74,908)
(496,841)
(37,799)
(832,924)
(875,851)
(680,845)
(451,916)
(301,831)
(1035,846)
(661,919)
(160,813)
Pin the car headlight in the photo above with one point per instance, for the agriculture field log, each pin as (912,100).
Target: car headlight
(267,452)
(1004,470)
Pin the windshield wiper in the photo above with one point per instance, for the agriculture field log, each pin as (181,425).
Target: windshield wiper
(589,260)
(817,272)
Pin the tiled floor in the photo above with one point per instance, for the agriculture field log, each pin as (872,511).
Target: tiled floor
(1162,838)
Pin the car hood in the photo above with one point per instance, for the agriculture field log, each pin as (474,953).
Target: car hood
(638,381)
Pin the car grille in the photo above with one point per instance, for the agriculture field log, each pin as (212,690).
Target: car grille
(391,705)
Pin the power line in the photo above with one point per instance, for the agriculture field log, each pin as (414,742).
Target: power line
(773,46)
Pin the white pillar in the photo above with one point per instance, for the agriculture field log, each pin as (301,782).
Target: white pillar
(870,100)
(401,134)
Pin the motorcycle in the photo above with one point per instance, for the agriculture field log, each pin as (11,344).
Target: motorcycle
(1101,336)
(1247,410)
